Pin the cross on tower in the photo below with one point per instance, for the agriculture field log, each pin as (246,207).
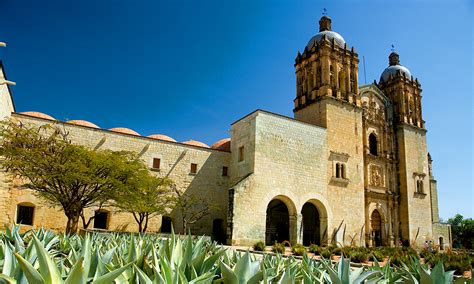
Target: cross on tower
(325,12)
(393,48)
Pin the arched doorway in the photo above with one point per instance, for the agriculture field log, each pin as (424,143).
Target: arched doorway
(277,223)
(376,225)
(311,225)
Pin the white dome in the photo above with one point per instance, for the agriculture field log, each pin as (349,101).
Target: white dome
(393,70)
(330,35)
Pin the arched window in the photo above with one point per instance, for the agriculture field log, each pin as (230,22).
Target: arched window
(338,170)
(441,243)
(373,144)
(419,186)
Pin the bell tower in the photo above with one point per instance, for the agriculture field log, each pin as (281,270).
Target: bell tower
(327,95)
(326,68)
(415,210)
(398,84)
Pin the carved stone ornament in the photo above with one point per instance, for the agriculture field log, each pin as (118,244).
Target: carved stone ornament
(376,176)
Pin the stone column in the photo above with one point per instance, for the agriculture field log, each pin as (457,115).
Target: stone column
(293,229)
(325,70)
(323,230)
(390,221)
(367,225)
(299,228)
(348,81)
(396,222)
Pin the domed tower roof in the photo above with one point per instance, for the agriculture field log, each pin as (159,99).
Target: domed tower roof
(326,32)
(394,68)
(124,131)
(83,123)
(38,115)
(161,137)
(196,143)
(223,144)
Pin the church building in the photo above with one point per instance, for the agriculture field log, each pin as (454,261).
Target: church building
(351,166)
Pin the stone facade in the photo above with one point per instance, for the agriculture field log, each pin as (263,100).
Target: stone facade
(286,162)
(176,159)
(351,166)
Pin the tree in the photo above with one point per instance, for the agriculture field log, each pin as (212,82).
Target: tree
(145,195)
(462,230)
(63,174)
(193,208)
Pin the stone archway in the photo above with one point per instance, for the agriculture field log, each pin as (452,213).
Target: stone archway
(280,221)
(314,223)
(441,243)
(311,224)
(376,228)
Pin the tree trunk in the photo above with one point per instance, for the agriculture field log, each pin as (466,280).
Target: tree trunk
(146,223)
(185,226)
(85,224)
(139,220)
(72,224)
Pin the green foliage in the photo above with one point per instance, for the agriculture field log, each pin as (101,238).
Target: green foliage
(325,252)
(45,257)
(463,231)
(144,195)
(456,261)
(278,247)
(314,249)
(69,176)
(378,254)
(343,274)
(259,246)
(337,251)
(359,256)
(298,249)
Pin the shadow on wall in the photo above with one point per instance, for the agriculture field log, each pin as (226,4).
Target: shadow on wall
(205,183)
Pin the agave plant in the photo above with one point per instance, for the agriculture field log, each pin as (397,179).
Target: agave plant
(46,257)
(342,273)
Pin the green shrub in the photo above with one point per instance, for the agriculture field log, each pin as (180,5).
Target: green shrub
(458,266)
(346,251)
(278,248)
(259,246)
(314,249)
(359,256)
(425,253)
(398,259)
(337,251)
(410,252)
(325,252)
(378,254)
(298,249)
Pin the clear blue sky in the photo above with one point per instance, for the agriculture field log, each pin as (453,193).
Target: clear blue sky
(189,68)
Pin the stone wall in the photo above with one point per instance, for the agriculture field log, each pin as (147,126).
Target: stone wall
(345,145)
(343,122)
(415,207)
(290,162)
(442,235)
(176,159)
